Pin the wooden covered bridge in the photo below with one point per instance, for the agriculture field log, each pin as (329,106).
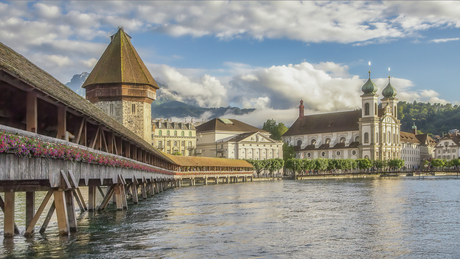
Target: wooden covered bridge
(53,140)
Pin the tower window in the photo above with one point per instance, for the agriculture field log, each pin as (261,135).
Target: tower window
(133,108)
(366,109)
(366,137)
(375,110)
(112,109)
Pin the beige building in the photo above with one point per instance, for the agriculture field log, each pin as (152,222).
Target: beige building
(415,148)
(172,137)
(234,139)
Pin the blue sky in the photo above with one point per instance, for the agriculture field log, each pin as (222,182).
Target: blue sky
(265,55)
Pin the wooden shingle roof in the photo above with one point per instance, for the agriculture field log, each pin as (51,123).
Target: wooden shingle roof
(120,64)
(208,161)
(408,137)
(18,66)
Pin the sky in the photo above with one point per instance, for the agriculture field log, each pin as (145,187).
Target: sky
(264,55)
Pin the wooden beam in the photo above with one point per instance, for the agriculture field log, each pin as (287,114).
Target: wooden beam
(8,217)
(107,197)
(61,213)
(48,218)
(101,192)
(70,206)
(118,196)
(93,142)
(110,142)
(128,150)
(80,131)
(118,145)
(62,124)
(30,207)
(30,226)
(31,112)
(104,141)
(2,206)
(92,194)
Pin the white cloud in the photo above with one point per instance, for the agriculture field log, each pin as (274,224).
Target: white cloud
(90,63)
(444,40)
(59,60)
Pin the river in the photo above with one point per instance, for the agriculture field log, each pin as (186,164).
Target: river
(347,218)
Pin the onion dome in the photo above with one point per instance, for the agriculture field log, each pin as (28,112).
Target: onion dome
(369,87)
(389,91)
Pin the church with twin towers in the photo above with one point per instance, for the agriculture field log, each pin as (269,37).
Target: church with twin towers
(370,132)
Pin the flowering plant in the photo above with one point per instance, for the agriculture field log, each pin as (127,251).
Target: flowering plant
(31,147)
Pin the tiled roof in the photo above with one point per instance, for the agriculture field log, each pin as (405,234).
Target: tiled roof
(120,63)
(219,125)
(425,139)
(208,161)
(18,66)
(329,122)
(408,137)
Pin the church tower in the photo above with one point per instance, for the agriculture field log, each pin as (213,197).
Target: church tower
(301,109)
(369,121)
(390,148)
(121,85)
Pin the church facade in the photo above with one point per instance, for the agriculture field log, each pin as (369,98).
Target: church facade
(370,132)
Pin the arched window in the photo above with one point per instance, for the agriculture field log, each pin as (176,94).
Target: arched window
(159,133)
(389,137)
(182,133)
(299,143)
(175,133)
(376,137)
(357,139)
(342,140)
(394,114)
(366,137)
(308,154)
(328,140)
(189,133)
(366,109)
(353,152)
(366,157)
(323,154)
(167,133)
(338,153)
(313,141)
(375,110)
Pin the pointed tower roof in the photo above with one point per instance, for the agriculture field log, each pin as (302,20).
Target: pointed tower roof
(120,64)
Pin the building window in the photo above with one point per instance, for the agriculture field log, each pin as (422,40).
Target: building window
(453,150)
(160,133)
(160,144)
(175,133)
(182,133)
(183,143)
(446,144)
(338,153)
(375,110)
(133,108)
(342,140)
(366,157)
(308,154)
(357,139)
(313,141)
(189,133)
(389,137)
(366,109)
(175,143)
(190,144)
(167,133)
(299,143)
(323,154)
(376,137)
(366,137)
(353,152)
(152,136)
(328,140)
(168,143)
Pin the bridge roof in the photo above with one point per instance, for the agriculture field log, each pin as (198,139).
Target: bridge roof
(19,67)
(208,161)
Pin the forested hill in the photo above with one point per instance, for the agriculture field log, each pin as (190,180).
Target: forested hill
(429,118)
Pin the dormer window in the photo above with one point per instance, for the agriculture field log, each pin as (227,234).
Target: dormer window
(328,140)
(133,109)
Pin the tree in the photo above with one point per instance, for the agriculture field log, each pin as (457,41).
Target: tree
(321,164)
(177,153)
(276,130)
(379,163)
(437,162)
(259,165)
(274,164)
(396,163)
(288,151)
(364,163)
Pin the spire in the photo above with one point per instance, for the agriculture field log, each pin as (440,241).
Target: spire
(389,91)
(120,64)
(369,88)
(301,109)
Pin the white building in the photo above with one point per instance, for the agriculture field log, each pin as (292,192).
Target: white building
(448,147)
(234,139)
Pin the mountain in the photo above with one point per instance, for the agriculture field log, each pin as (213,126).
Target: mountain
(172,108)
(76,82)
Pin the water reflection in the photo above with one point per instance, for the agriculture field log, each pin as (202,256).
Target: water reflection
(370,218)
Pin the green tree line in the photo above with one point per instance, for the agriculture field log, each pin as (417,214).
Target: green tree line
(430,118)
(270,165)
(321,164)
